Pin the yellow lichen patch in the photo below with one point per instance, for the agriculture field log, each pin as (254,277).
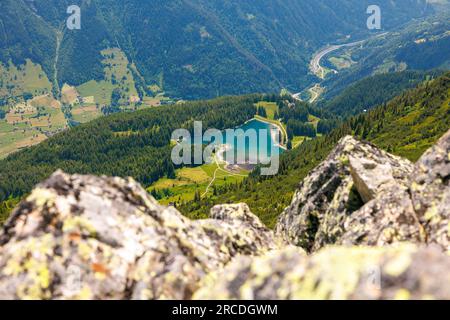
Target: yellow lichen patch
(344,160)
(398,264)
(402,294)
(74,224)
(84,294)
(448,230)
(32,259)
(85,251)
(389,233)
(335,275)
(432,215)
(42,196)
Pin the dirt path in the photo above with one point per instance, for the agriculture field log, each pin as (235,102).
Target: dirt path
(279,126)
(315,91)
(215,176)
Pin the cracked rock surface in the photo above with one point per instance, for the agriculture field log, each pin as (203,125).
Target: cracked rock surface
(361,195)
(83,237)
(404,271)
(363,225)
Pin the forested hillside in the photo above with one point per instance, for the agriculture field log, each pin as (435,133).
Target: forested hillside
(421,44)
(127,144)
(372,91)
(189,48)
(407,126)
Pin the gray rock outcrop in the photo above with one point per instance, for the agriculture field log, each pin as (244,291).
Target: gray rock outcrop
(355,173)
(361,195)
(83,237)
(404,271)
(363,225)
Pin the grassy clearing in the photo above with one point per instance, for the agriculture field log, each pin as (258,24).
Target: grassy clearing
(85,113)
(343,61)
(69,95)
(297,141)
(190,181)
(116,75)
(100,91)
(16,140)
(314,120)
(270,107)
(27,78)
(28,124)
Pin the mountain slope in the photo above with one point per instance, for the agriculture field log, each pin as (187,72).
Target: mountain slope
(191,48)
(129,144)
(373,91)
(421,44)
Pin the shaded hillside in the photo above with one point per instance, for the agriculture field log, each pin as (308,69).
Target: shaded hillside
(190,48)
(421,44)
(372,91)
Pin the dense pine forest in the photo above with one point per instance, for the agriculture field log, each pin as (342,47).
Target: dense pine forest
(126,144)
(373,91)
(190,48)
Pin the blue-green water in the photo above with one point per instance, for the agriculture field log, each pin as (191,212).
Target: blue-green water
(252,142)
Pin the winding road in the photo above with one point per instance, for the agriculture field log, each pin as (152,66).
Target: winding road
(319,71)
(315,66)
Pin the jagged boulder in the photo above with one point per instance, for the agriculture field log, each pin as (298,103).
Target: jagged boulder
(361,195)
(418,211)
(404,271)
(430,192)
(354,173)
(85,237)
(387,219)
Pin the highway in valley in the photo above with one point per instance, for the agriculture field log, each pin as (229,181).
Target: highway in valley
(316,68)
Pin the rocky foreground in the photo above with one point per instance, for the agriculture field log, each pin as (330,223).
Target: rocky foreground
(363,225)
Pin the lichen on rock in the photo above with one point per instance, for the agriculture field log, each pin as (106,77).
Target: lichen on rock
(393,272)
(430,192)
(85,237)
(361,195)
(353,174)
(375,226)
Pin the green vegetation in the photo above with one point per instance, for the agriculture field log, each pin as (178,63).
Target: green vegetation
(270,109)
(190,183)
(101,147)
(117,78)
(373,91)
(196,49)
(342,62)
(406,126)
(421,44)
(19,83)
(6,207)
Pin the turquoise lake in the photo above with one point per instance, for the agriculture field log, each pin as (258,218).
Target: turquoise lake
(258,137)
